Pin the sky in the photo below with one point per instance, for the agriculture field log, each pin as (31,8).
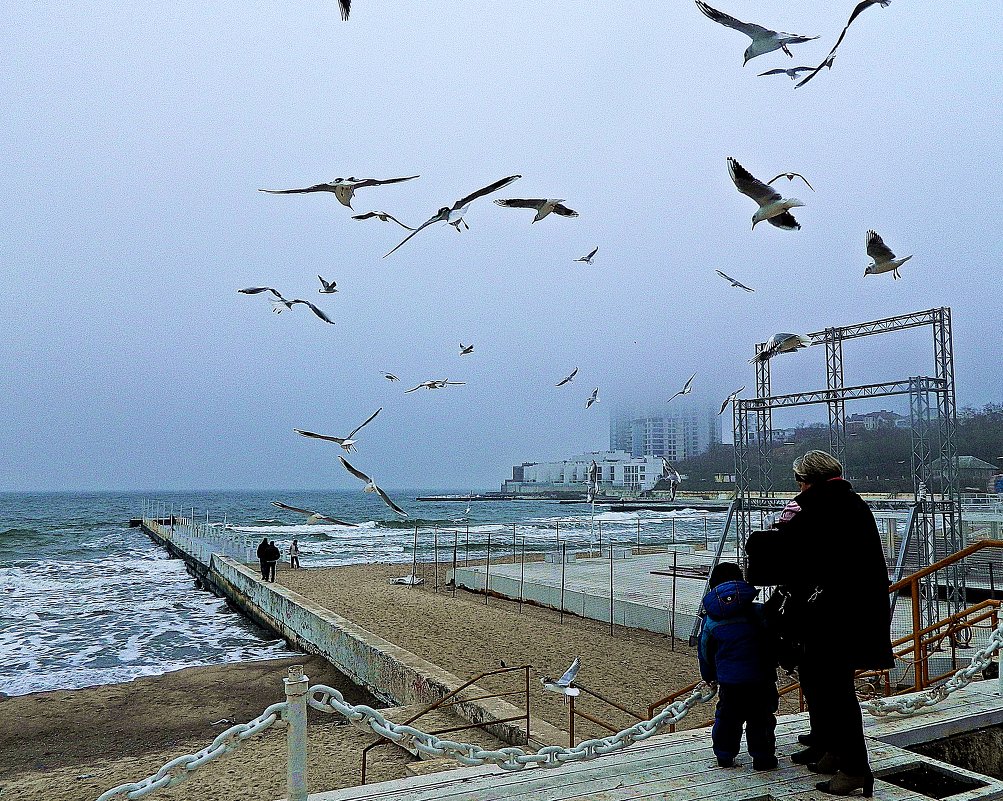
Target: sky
(137,134)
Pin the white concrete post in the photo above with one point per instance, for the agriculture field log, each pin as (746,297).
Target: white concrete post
(295,716)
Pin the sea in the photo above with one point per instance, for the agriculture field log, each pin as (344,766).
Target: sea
(85,599)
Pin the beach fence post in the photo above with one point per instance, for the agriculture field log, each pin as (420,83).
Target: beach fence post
(456,536)
(522,573)
(564,562)
(414,557)
(513,543)
(487,570)
(672,620)
(673,531)
(610,586)
(435,550)
(639,534)
(297,685)
(466,548)
(600,539)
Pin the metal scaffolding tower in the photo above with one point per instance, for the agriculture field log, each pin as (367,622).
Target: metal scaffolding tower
(936,507)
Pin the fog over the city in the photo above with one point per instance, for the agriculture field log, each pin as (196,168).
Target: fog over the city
(137,134)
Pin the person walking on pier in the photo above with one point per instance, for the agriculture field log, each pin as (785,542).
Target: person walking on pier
(736,651)
(831,547)
(294,555)
(262,554)
(272,556)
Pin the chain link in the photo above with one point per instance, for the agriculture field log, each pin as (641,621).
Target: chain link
(180,768)
(910,706)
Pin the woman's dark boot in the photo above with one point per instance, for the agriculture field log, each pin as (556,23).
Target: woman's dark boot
(808,756)
(845,784)
(829,763)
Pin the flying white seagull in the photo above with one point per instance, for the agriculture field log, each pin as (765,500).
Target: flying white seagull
(327,287)
(347,443)
(435,383)
(884,259)
(729,399)
(343,188)
(687,388)
(790,176)
(371,487)
(781,343)
(465,349)
(543,206)
(454,214)
(593,398)
(567,379)
(734,283)
(772,207)
(827,62)
(381,215)
(763,39)
(311,517)
(588,259)
(282,304)
(790,72)
(390,377)
(563,685)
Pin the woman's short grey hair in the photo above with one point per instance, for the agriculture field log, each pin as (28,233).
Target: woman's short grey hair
(817,466)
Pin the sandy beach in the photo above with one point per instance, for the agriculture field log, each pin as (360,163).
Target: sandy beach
(70,745)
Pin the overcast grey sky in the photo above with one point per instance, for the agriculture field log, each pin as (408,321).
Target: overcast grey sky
(136,135)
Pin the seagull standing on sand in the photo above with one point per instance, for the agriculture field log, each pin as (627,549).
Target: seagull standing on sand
(588,259)
(567,379)
(465,349)
(763,39)
(371,487)
(687,388)
(734,283)
(593,398)
(347,443)
(790,176)
(729,399)
(435,383)
(454,214)
(564,684)
(282,304)
(884,259)
(772,207)
(781,343)
(327,287)
(861,6)
(381,215)
(543,206)
(343,188)
(312,517)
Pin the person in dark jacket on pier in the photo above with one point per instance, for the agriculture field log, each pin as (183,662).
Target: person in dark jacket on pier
(736,651)
(829,555)
(262,554)
(272,556)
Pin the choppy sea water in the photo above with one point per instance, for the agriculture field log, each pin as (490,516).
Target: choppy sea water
(86,600)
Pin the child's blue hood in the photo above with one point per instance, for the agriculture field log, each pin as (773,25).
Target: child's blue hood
(729,599)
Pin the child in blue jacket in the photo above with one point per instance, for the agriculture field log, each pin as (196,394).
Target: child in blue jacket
(736,651)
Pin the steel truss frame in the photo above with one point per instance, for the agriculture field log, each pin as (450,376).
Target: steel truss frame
(936,531)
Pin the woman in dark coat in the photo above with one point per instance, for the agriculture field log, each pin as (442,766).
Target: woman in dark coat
(827,553)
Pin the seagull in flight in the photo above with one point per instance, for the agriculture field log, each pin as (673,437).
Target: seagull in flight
(435,383)
(687,388)
(790,72)
(327,287)
(465,349)
(772,207)
(827,62)
(781,343)
(567,379)
(343,188)
(390,377)
(763,39)
(311,517)
(347,443)
(346,6)
(593,398)
(729,399)
(884,259)
(454,214)
(381,215)
(733,282)
(281,304)
(588,259)
(564,684)
(543,206)
(790,176)
(371,487)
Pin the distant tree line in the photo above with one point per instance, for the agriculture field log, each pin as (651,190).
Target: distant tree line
(877,461)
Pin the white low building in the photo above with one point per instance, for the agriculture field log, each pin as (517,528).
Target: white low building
(617,470)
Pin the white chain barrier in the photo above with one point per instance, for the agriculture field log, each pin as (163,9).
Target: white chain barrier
(182,767)
(511,758)
(910,706)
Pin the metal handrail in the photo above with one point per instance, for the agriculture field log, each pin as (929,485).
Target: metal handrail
(573,712)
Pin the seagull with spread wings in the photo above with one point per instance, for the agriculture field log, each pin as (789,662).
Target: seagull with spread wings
(312,517)
(567,379)
(347,443)
(371,487)
(465,349)
(729,399)
(733,282)
(435,383)
(381,215)
(773,208)
(327,287)
(593,398)
(781,343)
(790,72)
(390,377)
(454,214)
(346,7)
(564,684)
(687,388)
(884,259)
(282,304)
(763,39)
(790,176)
(543,206)
(588,258)
(343,188)
(827,62)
